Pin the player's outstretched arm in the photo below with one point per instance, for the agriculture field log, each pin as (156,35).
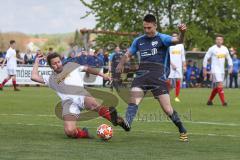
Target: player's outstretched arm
(180,39)
(95,72)
(35,75)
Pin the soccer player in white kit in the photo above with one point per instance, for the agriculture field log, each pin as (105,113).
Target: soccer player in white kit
(177,66)
(68,84)
(217,53)
(11,60)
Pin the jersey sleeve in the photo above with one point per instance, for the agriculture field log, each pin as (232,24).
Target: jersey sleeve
(206,57)
(166,39)
(8,54)
(133,48)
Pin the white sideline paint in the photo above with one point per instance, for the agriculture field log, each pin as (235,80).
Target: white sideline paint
(28,115)
(138,131)
(193,122)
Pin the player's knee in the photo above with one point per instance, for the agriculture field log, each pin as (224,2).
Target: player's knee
(93,106)
(168,110)
(91,103)
(137,92)
(220,85)
(70,131)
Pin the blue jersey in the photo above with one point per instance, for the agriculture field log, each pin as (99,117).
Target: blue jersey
(152,49)
(111,56)
(153,52)
(94,61)
(82,60)
(208,67)
(236,65)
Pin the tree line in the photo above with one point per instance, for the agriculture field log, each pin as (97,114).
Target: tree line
(204,19)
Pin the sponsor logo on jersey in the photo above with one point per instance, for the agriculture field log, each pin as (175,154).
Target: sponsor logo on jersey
(154,43)
(62,78)
(220,55)
(176,51)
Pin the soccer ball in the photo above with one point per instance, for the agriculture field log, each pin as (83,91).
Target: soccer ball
(105,132)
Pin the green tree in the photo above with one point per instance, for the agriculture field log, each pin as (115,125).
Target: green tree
(204,18)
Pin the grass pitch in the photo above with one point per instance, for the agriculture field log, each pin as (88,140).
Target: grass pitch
(29,130)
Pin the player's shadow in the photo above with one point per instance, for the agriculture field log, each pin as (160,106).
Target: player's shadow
(107,99)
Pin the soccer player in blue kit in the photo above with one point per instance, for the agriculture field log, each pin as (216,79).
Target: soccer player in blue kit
(152,73)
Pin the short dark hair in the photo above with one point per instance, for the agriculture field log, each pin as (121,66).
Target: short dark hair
(219,35)
(150,18)
(12,41)
(51,56)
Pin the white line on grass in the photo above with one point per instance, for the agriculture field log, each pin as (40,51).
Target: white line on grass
(138,131)
(28,115)
(194,122)
(143,121)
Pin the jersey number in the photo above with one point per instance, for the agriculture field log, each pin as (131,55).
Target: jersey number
(154,51)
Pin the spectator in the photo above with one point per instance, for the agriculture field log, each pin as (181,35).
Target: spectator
(83,59)
(232,51)
(63,57)
(188,73)
(71,58)
(28,57)
(2,57)
(19,57)
(94,60)
(42,62)
(196,74)
(50,50)
(78,54)
(100,54)
(106,59)
(75,50)
(234,74)
(114,59)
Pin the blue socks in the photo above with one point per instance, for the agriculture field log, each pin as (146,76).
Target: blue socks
(176,120)
(131,112)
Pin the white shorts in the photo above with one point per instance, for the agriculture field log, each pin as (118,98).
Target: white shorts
(11,72)
(73,106)
(217,77)
(175,74)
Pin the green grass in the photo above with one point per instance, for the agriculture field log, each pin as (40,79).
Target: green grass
(29,130)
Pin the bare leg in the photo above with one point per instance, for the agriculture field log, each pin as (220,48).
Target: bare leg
(71,130)
(165,103)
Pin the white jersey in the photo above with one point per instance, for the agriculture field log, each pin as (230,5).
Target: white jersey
(177,58)
(218,56)
(73,79)
(11,59)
